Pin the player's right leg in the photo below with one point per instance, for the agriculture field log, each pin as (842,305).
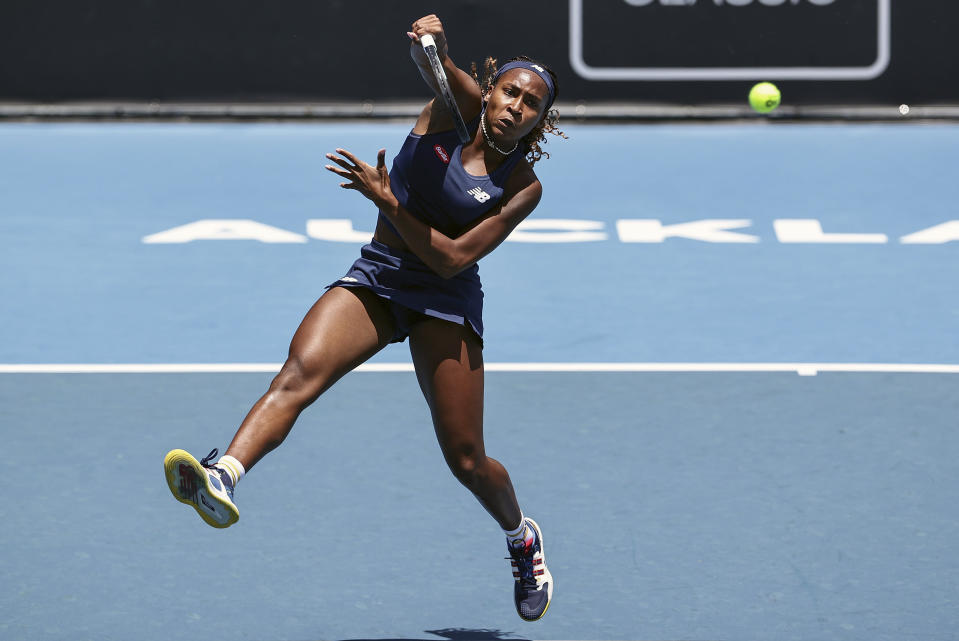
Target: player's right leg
(449,367)
(342,330)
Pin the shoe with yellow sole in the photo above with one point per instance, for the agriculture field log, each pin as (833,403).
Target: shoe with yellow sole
(208,489)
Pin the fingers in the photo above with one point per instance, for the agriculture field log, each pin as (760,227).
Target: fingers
(348,171)
(426,25)
(353,169)
(425,22)
(343,174)
(342,163)
(351,163)
(360,174)
(353,159)
(339,172)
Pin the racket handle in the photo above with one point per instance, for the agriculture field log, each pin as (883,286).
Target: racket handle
(427,41)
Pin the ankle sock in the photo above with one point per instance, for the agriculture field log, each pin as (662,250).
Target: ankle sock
(521,536)
(232,467)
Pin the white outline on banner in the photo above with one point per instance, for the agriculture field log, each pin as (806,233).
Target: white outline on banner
(803,369)
(728,73)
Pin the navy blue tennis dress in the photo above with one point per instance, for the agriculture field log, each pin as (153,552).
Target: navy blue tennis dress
(429,181)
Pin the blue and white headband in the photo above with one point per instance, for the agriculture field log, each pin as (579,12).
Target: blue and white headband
(535,68)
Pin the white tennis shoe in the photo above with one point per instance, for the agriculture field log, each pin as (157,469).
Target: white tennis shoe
(533,586)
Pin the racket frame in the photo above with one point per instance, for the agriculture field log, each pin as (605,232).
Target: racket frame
(443,87)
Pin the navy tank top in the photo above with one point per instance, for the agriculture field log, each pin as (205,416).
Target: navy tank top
(429,181)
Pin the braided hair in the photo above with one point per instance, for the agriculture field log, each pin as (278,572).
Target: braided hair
(534,140)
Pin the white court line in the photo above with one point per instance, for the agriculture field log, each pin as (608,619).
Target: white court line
(803,369)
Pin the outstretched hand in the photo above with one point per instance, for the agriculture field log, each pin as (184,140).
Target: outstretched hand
(372,182)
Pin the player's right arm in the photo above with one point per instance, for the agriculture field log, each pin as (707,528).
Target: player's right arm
(464,88)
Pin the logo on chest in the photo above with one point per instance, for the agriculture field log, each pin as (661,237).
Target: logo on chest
(445,157)
(478,194)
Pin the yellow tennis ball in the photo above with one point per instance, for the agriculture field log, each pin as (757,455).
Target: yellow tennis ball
(764,97)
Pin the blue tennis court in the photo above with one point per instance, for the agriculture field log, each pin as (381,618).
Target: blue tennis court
(723,371)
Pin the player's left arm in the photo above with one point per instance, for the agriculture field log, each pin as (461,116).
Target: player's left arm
(444,255)
(522,194)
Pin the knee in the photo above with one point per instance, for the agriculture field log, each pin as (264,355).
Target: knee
(467,467)
(297,383)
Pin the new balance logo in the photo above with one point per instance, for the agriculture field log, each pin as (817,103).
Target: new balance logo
(479,194)
(538,68)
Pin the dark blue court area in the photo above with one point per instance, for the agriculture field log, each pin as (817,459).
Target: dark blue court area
(723,371)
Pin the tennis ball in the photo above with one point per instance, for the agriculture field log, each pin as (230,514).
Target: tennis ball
(764,97)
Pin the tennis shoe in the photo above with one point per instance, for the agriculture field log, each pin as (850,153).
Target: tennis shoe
(201,485)
(533,585)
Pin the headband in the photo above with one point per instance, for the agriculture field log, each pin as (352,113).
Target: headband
(535,68)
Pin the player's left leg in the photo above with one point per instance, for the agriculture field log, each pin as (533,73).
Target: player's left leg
(342,329)
(449,367)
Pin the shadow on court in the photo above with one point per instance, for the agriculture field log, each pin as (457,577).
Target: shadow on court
(461,634)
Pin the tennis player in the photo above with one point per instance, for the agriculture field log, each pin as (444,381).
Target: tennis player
(442,207)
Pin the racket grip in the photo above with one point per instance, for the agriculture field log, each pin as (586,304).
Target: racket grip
(427,41)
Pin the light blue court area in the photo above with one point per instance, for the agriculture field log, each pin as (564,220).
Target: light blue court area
(674,506)
(689,501)
(633,273)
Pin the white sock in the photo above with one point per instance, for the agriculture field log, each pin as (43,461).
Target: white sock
(232,467)
(521,536)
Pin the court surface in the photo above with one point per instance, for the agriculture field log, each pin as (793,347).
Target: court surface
(723,373)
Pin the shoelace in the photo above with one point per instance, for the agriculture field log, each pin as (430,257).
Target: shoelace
(209,457)
(524,565)
(224,477)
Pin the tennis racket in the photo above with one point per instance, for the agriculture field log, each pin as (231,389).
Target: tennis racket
(429,46)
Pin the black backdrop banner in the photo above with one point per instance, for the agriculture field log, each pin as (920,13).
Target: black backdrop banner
(697,52)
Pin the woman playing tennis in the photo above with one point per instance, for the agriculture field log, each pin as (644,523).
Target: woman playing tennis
(442,207)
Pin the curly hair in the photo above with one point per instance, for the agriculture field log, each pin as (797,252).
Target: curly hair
(534,140)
